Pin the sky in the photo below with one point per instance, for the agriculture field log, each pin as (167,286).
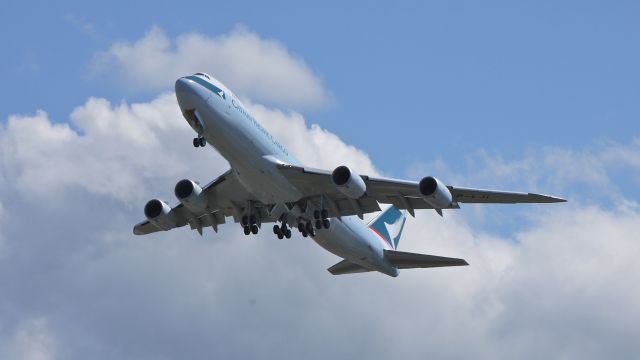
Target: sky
(529,96)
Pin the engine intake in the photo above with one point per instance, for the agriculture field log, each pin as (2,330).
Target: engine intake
(159,214)
(435,193)
(191,195)
(348,182)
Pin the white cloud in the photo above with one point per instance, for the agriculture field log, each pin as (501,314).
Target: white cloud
(81,24)
(314,146)
(562,286)
(262,69)
(103,149)
(32,340)
(550,169)
(117,150)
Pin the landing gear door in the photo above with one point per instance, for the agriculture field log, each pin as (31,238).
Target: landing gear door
(194,121)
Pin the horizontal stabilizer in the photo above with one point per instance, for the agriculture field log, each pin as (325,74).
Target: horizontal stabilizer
(407,260)
(346,267)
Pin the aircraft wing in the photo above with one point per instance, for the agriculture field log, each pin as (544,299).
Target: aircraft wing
(403,194)
(225,197)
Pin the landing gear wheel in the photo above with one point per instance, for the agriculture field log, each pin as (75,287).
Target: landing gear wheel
(254,229)
(326,223)
(301,227)
(287,234)
(276,230)
(196,142)
(247,230)
(316,214)
(202,142)
(318,224)
(280,236)
(325,214)
(304,234)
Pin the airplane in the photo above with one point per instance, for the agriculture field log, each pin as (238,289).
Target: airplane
(267,184)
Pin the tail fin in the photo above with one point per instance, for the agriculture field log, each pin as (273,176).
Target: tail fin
(389,225)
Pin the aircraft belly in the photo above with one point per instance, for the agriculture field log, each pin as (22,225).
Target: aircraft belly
(264,186)
(345,239)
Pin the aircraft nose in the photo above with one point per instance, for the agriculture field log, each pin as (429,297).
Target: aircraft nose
(189,93)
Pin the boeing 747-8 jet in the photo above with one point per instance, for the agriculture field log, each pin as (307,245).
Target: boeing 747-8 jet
(266,184)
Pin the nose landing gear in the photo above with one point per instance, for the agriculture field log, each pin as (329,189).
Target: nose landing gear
(199,141)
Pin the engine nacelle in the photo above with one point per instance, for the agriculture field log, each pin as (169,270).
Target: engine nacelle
(435,193)
(348,182)
(191,196)
(159,214)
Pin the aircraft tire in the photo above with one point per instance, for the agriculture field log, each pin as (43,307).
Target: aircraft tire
(288,234)
(247,230)
(196,143)
(318,224)
(326,223)
(254,229)
(202,142)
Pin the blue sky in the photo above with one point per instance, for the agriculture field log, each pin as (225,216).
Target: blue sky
(411,82)
(536,96)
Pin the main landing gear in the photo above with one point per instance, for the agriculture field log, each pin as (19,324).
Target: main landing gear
(282,231)
(321,222)
(199,141)
(322,219)
(250,224)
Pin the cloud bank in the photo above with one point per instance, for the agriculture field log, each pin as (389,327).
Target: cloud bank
(258,68)
(77,284)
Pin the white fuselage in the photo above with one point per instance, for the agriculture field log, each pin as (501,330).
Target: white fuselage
(254,154)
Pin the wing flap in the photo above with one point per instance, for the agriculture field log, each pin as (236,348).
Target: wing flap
(407,260)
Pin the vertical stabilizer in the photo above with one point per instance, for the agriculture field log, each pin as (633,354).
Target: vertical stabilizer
(388,225)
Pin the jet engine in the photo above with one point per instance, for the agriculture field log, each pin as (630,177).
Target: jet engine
(191,196)
(159,214)
(348,182)
(435,193)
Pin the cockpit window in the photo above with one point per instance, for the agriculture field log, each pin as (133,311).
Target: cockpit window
(205,75)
